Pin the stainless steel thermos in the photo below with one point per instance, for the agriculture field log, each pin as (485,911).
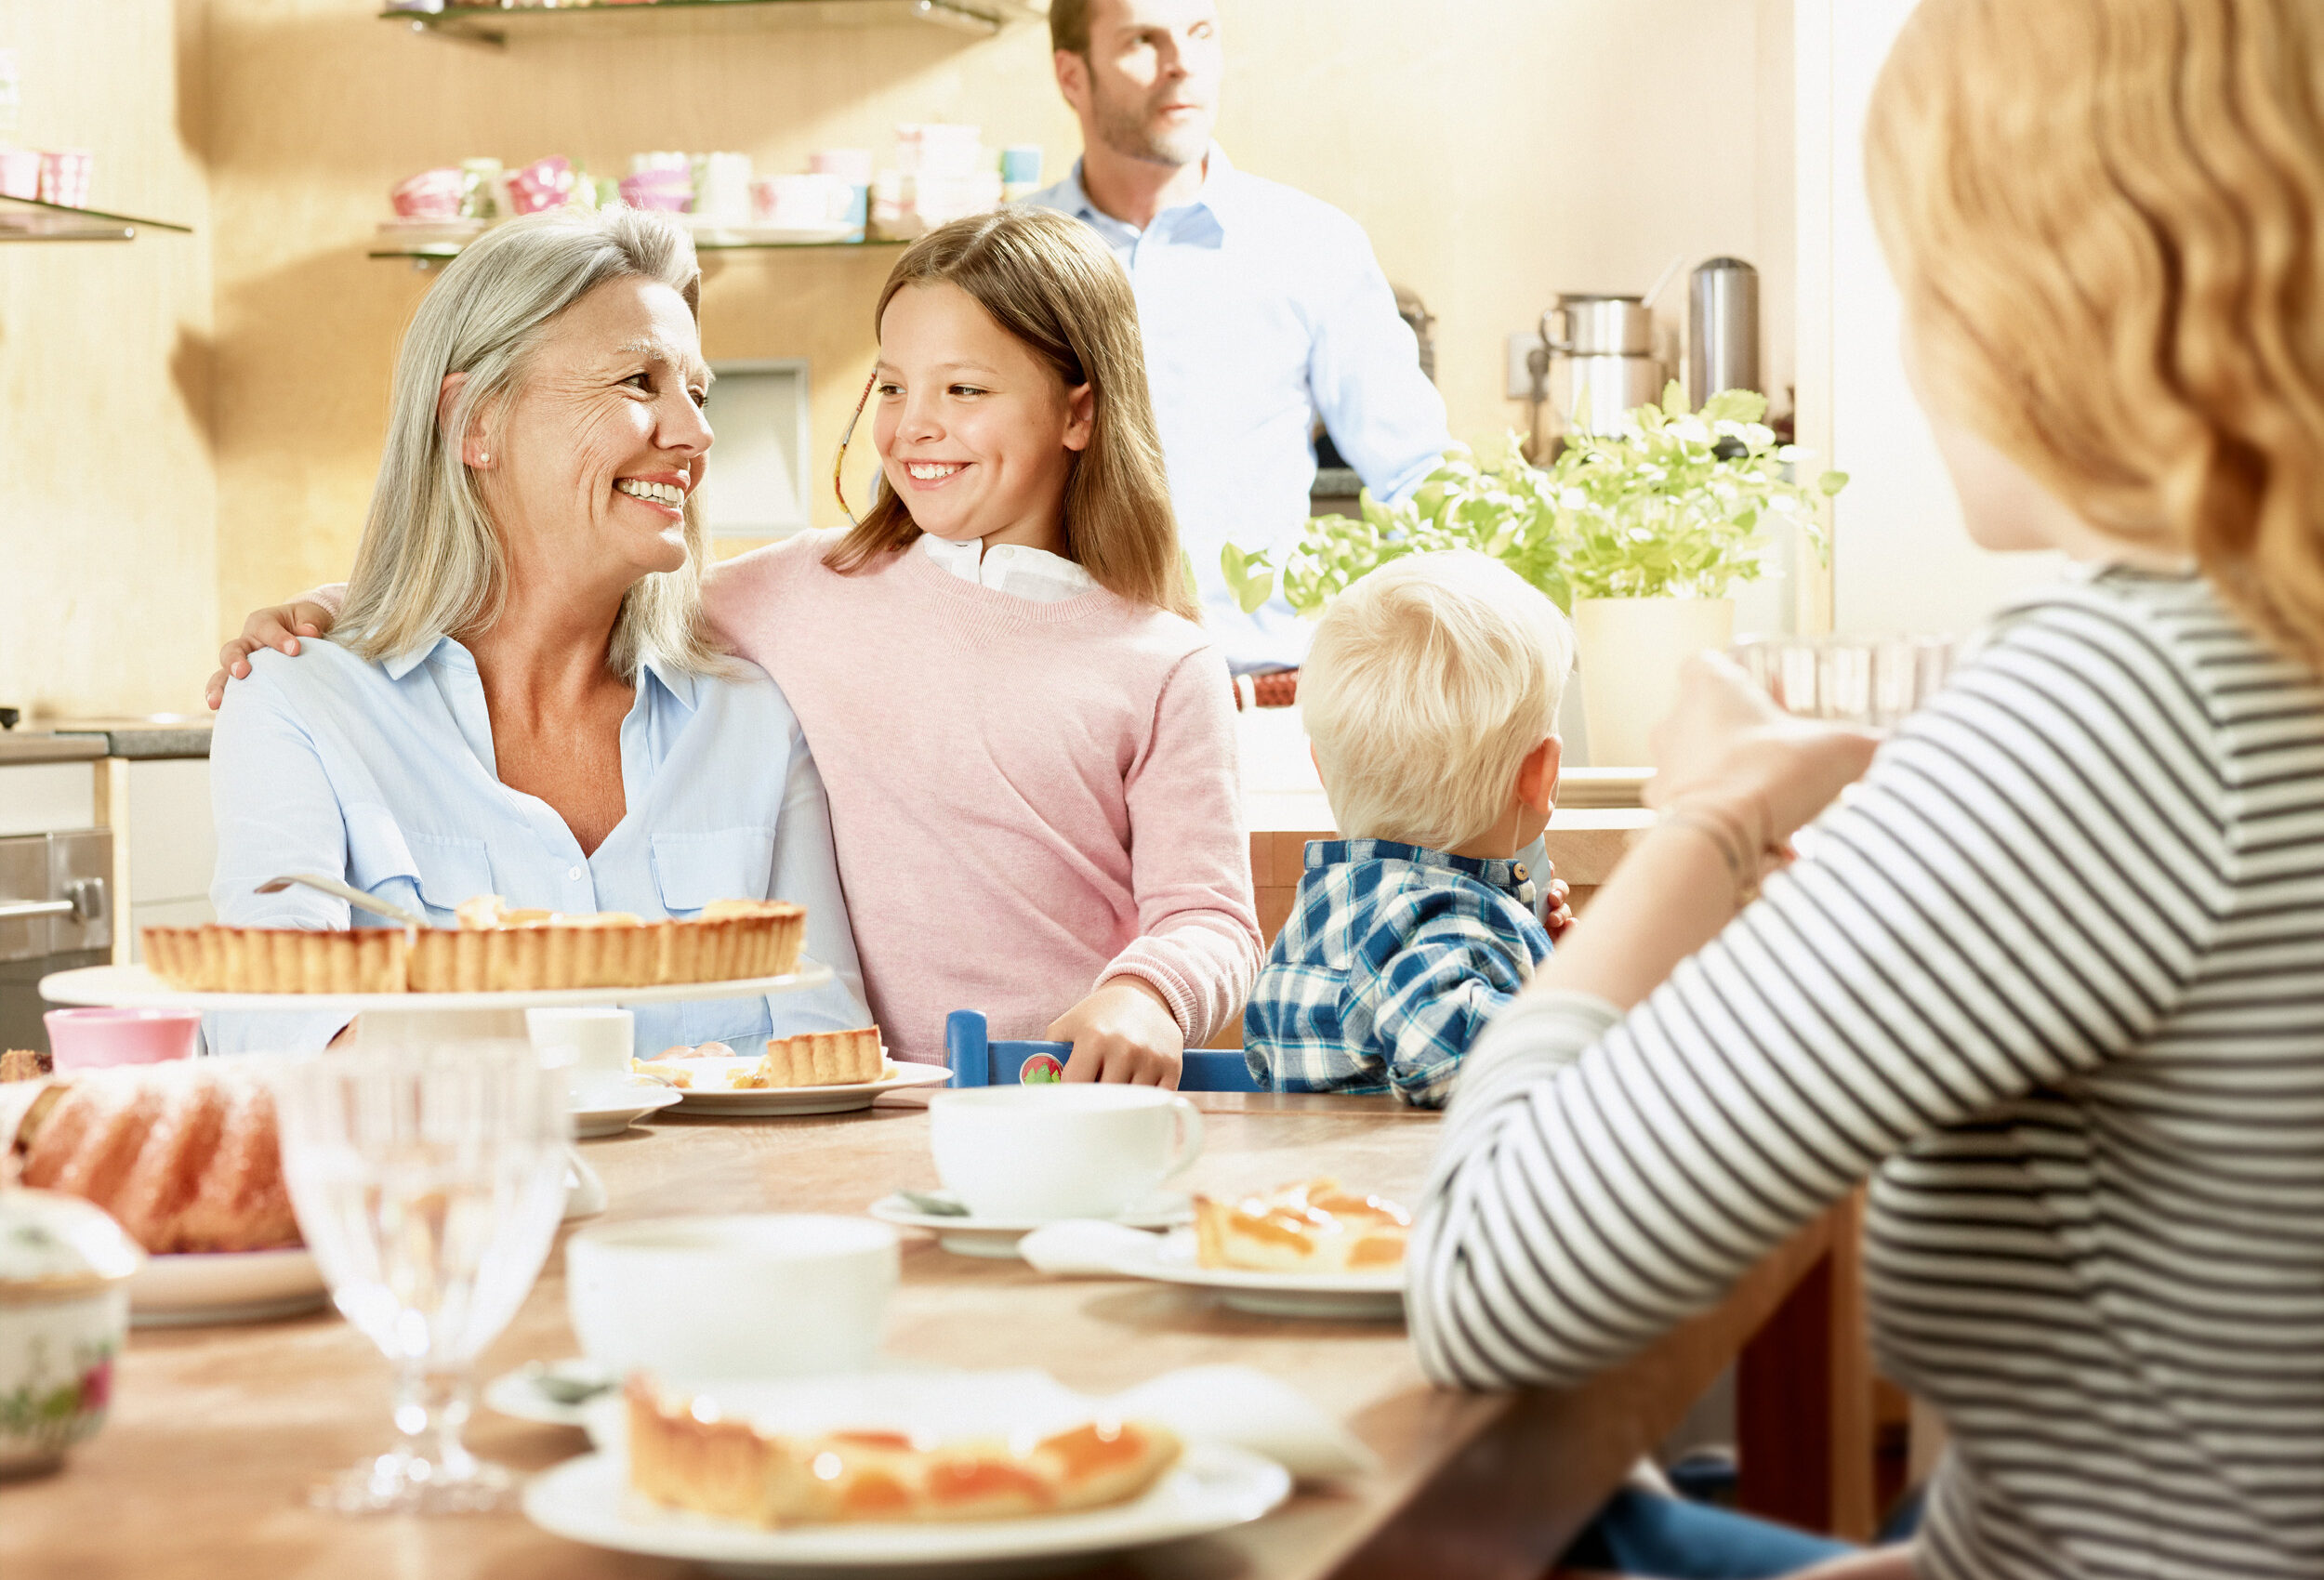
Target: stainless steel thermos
(1722,329)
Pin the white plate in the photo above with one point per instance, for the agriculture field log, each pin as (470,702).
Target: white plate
(1211,1488)
(758,1102)
(997,1238)
(519,1393)
(195,1289)
(609,1107)
(134,987)
(1351,1297)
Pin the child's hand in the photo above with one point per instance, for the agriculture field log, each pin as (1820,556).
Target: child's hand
(1123,1031)
(1560,916)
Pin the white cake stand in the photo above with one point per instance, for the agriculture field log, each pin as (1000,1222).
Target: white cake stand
(392,1018)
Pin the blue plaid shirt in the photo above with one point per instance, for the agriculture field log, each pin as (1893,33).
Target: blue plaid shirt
(1395,958)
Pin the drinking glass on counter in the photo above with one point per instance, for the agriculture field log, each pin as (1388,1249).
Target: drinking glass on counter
(429,1182)
(1874,681)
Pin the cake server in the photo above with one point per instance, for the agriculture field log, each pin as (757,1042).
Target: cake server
(348,892)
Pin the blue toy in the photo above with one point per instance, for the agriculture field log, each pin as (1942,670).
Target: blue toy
(978,1061)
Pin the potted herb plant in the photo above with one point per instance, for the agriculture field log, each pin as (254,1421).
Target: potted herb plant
(1639,534)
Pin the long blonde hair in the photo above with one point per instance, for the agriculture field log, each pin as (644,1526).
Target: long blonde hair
(2103,218)
(430,563)
(1048,281)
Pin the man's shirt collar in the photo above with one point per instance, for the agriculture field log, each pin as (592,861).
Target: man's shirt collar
(1217,196)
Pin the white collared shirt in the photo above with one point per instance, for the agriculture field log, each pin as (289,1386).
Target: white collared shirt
(1263,310)
(1012,568)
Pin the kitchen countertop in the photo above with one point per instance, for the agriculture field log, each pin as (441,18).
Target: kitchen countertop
(182,737)
(38,745)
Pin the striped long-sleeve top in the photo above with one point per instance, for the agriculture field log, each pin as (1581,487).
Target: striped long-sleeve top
(2052,978)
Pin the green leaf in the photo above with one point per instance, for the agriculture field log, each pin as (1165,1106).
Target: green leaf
(1832,483)
(1674,399)
(1249,576)
(1734,407)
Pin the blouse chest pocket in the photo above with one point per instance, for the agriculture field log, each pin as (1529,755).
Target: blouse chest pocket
(691,870)
(431,871)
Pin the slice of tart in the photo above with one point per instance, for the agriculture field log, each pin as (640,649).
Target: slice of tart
(820,1058)
(1313,1225)
(683,1453)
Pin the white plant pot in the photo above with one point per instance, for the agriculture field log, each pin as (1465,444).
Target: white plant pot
(1630,650)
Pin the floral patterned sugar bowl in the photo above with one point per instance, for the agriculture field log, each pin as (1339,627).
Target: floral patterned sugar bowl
(64,1307)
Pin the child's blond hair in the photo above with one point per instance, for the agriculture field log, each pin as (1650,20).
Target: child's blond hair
(1428,682)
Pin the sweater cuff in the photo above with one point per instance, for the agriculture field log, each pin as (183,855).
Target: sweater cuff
(1180,995)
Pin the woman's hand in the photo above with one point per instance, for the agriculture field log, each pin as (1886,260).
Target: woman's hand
(280,628)
(1123,1031)
(1727,749)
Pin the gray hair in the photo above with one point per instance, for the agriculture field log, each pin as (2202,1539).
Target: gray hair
(430,564)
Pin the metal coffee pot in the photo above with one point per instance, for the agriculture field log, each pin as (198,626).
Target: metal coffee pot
(1601,361)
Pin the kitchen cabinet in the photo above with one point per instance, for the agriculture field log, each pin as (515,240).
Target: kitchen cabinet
(164,844)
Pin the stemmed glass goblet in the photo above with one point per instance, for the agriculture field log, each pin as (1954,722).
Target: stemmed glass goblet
(429,1182)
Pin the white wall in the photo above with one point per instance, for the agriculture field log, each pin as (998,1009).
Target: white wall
(1901,560)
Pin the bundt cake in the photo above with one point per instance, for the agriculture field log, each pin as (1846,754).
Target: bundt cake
(185,1156)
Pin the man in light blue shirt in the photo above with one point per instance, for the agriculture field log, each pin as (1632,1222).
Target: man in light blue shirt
(1262,308)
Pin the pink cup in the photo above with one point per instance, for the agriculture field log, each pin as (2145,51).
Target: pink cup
(64,176)
(431,194)
(88,1039)
(544,184)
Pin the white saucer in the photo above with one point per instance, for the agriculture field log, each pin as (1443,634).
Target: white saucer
(608,1107)
(1345,1296)
(519,1393)
(1211,1488)
(197,1288)
(759,1101)
(997,1238)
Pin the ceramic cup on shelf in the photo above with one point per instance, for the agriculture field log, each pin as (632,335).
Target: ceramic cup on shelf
(1039,1153)
(592,1046)
(90,1039)
(764,1295)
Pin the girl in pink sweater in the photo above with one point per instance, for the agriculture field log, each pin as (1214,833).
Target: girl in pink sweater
(1027,741)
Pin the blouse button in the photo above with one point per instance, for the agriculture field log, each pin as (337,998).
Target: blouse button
(574,874)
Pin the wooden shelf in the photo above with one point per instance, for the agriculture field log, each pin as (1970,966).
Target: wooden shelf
(29,219)
(495,26)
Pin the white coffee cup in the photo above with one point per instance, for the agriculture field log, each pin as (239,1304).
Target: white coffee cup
(592,1046)
(762,1294)
(1037,1153)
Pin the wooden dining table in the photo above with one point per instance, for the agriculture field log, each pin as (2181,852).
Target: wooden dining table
(216,1432)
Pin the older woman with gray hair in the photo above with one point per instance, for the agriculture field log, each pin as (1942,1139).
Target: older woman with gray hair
(521,696)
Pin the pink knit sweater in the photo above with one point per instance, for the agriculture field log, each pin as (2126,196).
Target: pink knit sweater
(1027,797)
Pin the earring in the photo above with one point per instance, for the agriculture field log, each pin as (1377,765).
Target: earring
(484,459)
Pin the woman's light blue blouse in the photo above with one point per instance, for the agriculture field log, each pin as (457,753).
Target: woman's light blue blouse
(384,774)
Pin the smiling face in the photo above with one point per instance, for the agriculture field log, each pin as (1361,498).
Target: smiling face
(976,433)
(602,443)
(1149,88)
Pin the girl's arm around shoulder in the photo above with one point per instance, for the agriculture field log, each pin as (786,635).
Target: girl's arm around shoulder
(1199,944)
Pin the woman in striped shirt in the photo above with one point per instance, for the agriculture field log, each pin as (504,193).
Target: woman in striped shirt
(2053,977)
